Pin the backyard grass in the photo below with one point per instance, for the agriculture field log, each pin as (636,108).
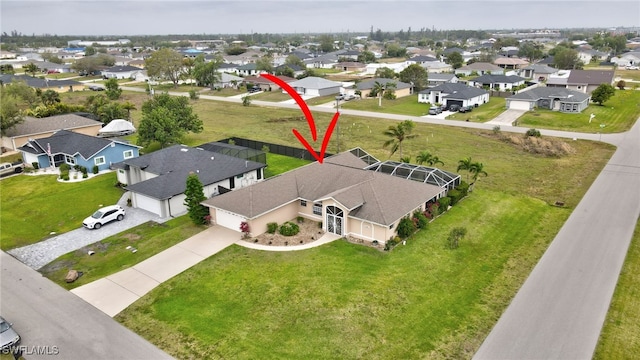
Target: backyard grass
(63,76)
(406,105)
(278,164)
(618,114)
(275,96)
(619,338)
(111,254)
(35,206)
(629,75)
(349,301)
(482,113)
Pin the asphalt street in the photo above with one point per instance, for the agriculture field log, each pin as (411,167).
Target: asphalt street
(559,311)
(56,324)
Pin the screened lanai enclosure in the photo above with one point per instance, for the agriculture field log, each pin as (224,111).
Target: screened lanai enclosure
(240,152)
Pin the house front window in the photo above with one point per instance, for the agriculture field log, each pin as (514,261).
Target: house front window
(303,203)
(128,154)
(317,209)
(99,160)
(69,160)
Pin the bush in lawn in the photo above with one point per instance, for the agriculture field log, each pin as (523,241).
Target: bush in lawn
(95,169)
(272,227)
(455,196)
(532,132)
(65,168)
(289,229)
(444,204)
(406,227)
(422,220)
(193,95)
(35,165)
(455,236)
(463,188)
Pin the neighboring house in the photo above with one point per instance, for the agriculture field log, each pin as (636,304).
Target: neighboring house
(157,181)
(627,59)
(63,85)
(349,196)
(350,66)
(68,147)
(421,59)
(120,72)
(227,81)
(437,67)
(538,72)
(588,55)
(402,89)
(454,94)
(558,99)
(250,69)
(315,86)
(34,128)
(581,80)
(370,69)
(46,66)
(265,84)
(325,61)
(297,70)
(349,54)
(480,68)
(497,82)
(228,68)
(437,79)
(139,63)
(510,63)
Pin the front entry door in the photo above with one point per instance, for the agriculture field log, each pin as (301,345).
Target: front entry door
(334,220)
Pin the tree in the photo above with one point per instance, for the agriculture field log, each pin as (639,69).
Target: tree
(7,69)
(530,50)
(425,157)
(390,90)
(398,134)
(566,58)
(395,50)
(21,91)
(367,57)
(465,164)
(111,111)
(47,56)
(455,236)
(194,195)
(405,159)
(128,106)
(454,59)
(385,73)
(326,43)
(89,50)
(31,68)
(621,84)
(188,64)
(294,60)
(206,73)
(112,89)
(477,169)
(235,50)
(50,97)
(377,90)
(165,64)
(265,63)
(166,119)
(10,114)
(602,93)
(416,75)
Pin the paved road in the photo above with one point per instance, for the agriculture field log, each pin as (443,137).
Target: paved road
(57,321)
(559,311)
(41,253)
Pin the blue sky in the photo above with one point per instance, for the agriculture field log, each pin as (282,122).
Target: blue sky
(109,17)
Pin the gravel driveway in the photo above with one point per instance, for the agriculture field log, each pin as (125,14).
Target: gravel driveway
(40,254)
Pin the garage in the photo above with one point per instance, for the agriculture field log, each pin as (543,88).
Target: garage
(147,203)
(519,105)
(450,102)
(228,220)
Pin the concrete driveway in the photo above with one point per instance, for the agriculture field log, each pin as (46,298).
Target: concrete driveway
(507,118)
(40,254)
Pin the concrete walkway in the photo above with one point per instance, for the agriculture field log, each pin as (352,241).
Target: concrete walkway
(324,239)
(116,292)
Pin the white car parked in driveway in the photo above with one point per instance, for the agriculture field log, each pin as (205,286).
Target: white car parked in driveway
(103,216)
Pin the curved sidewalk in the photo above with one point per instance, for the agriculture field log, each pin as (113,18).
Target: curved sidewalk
(324,239)
(559,311)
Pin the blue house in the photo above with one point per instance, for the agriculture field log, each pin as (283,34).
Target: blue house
(66,147)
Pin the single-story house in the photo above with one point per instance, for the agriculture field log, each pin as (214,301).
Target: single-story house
(437,79)
(581,80)
(265,84)
(480,68)
(454,94)
(631,58)
(297,69)
(226,80)
(437,67)
(325,61)
(538,72)
(588,55)
(63,85)
(68,147)
(228,68)
(372,68)
(510,63)
(120,72)
(315,86)
(250,69)
(497,82)
(345,193)
(350,66)
(36,128)
(552,98)
(421,59)
(402,89)
(157,181)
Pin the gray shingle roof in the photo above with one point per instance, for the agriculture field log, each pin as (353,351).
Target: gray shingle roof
(492,79)
(68,143)
(481,66)
(369,84)
(541,69)
(32,126)
(122,68)
(313,82)
(173,165)
(595,77)
(38,82)
(375,197)
(551,92)
(456,91)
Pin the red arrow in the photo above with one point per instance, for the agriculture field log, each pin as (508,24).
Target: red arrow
(307,113)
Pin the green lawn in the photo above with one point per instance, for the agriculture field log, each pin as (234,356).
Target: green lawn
(278,164)
(168,87)
(348,301)
(63,76)
(111,254)
(618,114)
(619,338)
(628,74)
(34,206)
(406,105)
(482,113)
(275,96)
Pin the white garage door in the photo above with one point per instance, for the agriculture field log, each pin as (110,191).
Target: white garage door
(519,105)
(147,203)
(228,220)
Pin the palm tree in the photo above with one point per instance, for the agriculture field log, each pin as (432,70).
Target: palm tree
(477,169)
(129,106)
(465,164)
(406,159)
(31,68)
(397,135)
(377,90)
(425,157)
